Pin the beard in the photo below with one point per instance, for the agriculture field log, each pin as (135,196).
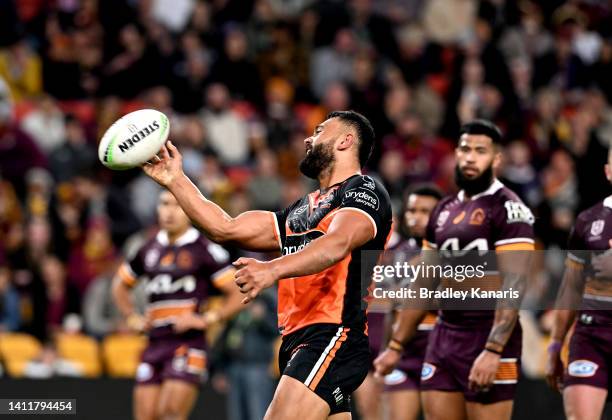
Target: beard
(319,159)
(473,186)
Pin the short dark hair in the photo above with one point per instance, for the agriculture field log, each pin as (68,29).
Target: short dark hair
(426,190)
(483,127)
(365,132)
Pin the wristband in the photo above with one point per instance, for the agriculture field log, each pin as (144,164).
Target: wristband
(395,345)
(555,347)
(494,347)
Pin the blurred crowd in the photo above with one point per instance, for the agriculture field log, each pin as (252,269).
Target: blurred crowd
(243,83)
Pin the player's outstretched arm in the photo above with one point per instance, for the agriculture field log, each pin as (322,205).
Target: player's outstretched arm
(347,231)
(254,230)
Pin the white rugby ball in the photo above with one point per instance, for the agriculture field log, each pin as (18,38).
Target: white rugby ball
(133,139)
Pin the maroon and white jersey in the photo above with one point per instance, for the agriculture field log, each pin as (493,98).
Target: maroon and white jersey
(590,236)
(179,277)
(493,220)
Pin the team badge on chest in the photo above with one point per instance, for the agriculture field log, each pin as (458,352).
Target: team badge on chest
(597,227)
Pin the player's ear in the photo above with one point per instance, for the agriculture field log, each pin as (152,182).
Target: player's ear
(347,141)
(497,158)
(608,171)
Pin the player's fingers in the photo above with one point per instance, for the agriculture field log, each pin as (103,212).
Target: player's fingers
(164,153)
(246,300)
(241,261)
(172,148)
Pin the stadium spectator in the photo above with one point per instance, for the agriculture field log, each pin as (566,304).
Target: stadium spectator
(45,124)
(20,67)
(74,155)
(243,355)
(227,132)
(100,315)
(9,301)
(60,297)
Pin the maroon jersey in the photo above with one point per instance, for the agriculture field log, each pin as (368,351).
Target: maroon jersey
(179,277)
(590,236)
(495,219)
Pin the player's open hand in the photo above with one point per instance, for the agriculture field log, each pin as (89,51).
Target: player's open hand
(483,371)
(166,166)
(386,362)
(253,276)
(554,369)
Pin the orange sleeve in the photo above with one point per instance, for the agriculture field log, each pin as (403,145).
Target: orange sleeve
(126,275)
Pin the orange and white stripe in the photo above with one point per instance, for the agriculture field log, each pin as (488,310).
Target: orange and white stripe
(507,372)
(163,312)
(319,369)
(196,361)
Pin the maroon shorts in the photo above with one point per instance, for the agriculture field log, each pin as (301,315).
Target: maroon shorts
(407,374)
(184,360)
(590,354)
(450,354)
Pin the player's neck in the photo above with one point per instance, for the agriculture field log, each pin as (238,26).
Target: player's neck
(336,174)
(173,236)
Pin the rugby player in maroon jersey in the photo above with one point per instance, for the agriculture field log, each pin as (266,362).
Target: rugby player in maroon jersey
(585,296)
(472,361)
(400,388)
(181,269)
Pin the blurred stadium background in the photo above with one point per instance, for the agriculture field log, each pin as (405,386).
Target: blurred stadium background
(244,82)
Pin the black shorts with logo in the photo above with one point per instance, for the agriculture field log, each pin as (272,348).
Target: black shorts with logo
(331,360)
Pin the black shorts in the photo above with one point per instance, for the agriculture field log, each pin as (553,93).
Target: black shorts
(331,360)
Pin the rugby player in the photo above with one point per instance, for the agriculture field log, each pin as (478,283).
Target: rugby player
(472,360)
(401,386)
(181,269)
(585,285)
(324,354)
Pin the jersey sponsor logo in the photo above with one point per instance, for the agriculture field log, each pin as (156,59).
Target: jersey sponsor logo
(287,250)
(369,182)
(517,212)
(167,259)
(338,396)
(151,258)
(184,260)
(300,210)
(477,217)
(442,218)
(395,378)
(597,227)
(363,196)
(427,371)
(162,284)
(586,319)
(144,372)
(582,368)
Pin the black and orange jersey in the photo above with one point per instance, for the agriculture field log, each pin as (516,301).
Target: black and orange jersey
(335,295)
(179,277)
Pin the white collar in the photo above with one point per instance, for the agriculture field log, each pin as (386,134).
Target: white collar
(608,202)
(493,188)
(191,235)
